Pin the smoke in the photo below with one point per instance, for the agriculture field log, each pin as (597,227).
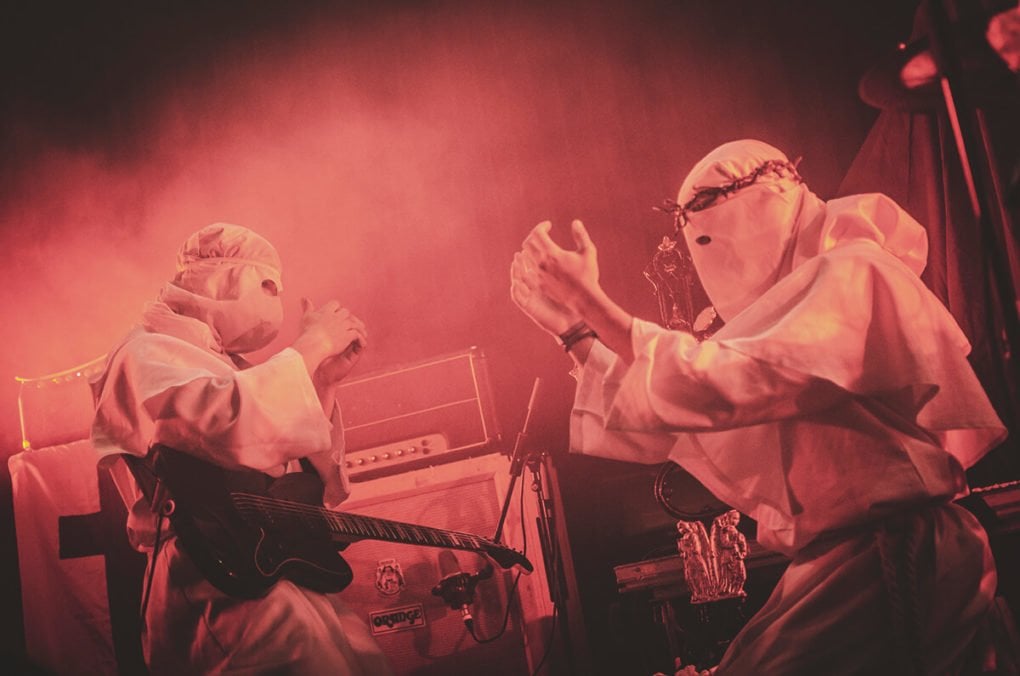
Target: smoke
(395,156)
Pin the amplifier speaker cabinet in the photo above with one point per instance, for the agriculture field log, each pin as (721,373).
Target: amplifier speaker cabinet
(392,587)
(419,414)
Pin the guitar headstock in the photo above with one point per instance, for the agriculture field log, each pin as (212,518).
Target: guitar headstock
(507,558)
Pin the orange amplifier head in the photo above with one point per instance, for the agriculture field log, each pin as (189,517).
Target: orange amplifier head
(420,414)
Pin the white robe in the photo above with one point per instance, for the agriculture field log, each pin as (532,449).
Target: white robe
(173,387)
(839,401)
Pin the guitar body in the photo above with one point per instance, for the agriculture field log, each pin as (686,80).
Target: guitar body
(244,553)
(245,530)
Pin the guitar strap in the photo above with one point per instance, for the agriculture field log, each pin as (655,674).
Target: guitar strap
(144,473)
(145,476)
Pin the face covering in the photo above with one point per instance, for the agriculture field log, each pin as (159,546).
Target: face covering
(229,277)
(739,211)
(252,320)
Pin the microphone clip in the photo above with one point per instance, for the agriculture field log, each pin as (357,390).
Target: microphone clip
(458,590)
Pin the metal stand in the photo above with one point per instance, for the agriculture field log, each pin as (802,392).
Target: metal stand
(984,192)
(548,534)
(517,458)
(552,556)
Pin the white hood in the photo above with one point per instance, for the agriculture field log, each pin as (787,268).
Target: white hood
(221,270)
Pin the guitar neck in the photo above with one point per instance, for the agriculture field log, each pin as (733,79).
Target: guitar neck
(346,527)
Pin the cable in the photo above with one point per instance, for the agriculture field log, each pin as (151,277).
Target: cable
(506,616)
(548,643)
(511,595)
(152,564)
(513,589)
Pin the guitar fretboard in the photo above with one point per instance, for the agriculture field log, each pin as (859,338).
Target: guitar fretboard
(347,527)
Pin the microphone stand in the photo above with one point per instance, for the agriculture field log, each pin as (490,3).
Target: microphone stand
(547,534)
(552,556)
(517,458)
(457,588)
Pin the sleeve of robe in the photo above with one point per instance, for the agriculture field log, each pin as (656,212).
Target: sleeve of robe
(678,385)
(159,389)
(849,324)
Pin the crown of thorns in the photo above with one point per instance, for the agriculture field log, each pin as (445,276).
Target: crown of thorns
(705,197)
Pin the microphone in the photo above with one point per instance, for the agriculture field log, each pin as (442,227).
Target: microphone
(448,564)
(517,456)
(456,587)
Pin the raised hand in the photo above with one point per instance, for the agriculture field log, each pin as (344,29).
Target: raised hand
(566,278)
(330,340)
(334,325)
(545,312)
(558,287)
(334,369)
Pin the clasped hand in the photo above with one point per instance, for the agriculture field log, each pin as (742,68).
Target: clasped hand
(337,336)
(550,284)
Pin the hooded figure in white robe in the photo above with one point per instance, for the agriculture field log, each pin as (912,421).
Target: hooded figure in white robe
(178,380)
(835,406)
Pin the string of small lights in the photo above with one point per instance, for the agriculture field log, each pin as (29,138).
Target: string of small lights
(89,368)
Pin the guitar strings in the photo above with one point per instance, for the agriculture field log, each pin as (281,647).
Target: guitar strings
(361,521)
(364,525)
(381,529)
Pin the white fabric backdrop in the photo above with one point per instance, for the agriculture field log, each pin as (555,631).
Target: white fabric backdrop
(65,603)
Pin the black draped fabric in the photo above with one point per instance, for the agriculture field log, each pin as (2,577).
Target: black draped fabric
(912,156)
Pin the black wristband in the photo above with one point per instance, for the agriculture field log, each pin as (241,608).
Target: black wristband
(574,340)
(572,331)
(576,334)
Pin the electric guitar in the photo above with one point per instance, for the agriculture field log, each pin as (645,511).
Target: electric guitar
(246,530)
